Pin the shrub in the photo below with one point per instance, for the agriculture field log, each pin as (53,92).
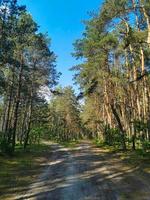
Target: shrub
(113,136)
(146,145)
(5,147)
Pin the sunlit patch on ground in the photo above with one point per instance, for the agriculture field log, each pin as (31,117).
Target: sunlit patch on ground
(85,172)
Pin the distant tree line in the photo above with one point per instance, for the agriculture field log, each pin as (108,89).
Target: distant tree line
(64,123)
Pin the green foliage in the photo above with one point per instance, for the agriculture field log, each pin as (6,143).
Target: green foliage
(114,75)
(36,134)
(113,136)
(140,125)
(64,116)
(146,146)
(70,144)
(27,68)
(5,146)
(22,169)
(114,78)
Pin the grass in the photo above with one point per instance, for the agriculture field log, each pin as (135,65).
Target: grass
(69,144)
(105,146)
(138,158)
(19,171)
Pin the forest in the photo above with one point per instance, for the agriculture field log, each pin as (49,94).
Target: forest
(114,78)
(113,106)
(62,143)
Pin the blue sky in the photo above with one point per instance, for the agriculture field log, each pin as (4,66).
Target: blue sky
(62,19)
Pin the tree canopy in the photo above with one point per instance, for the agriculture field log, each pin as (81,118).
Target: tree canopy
(113,78)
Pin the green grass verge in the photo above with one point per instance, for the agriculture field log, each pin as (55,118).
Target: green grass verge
(135,158)
(17,172)
(70,144)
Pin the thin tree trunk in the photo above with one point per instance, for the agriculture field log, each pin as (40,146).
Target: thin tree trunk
(29,123)
(17,107)
(119,125)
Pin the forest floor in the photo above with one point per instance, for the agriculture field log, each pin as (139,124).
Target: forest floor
(20,170)
(83,172)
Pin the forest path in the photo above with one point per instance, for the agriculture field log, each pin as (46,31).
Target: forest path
(87,173)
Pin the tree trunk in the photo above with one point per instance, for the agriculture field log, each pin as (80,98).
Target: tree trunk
(29,124)
(17,107)
(120,126)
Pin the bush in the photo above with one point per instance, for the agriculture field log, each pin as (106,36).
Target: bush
(146,145)
(5,147)
(36,134)
(113,137)
(140,125)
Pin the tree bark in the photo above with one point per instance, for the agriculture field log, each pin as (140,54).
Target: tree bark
(17,106)
(114,111)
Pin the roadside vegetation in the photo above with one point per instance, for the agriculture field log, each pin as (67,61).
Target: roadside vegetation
(21,170)
(27,67)
(114,77)
(113,107)
(138,158)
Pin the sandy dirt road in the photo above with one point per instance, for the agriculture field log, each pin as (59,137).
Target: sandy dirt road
(87,173)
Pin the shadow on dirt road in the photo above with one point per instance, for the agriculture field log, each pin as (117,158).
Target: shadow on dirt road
(87,173)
